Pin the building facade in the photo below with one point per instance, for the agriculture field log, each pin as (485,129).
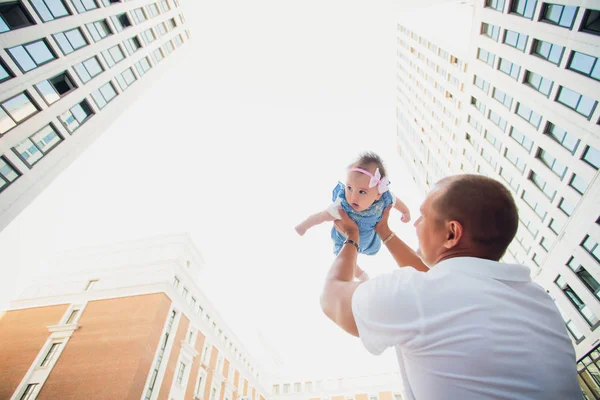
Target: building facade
(373,387)
(526,97)
(127,321)
(68,69)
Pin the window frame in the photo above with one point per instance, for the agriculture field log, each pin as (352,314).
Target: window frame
(43,40)
(43,152)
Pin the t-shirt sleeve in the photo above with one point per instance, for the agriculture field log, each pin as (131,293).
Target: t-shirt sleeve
(333,209)
(387,310)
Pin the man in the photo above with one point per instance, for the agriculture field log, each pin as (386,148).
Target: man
(469,327)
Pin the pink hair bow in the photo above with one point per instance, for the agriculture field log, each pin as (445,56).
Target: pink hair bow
(376,180)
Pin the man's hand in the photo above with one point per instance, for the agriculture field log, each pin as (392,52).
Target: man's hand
(346,226)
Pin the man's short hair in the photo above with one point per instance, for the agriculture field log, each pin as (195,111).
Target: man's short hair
(484,207)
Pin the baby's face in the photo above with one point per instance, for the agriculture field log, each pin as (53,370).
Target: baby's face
(358,193)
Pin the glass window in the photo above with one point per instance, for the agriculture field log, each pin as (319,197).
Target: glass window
(521,138)
(121,21)
(142,66)
(555,226)
(113,56)
(583,309)
(534,203)
(559,14)
(32,55)
(153,10)
(482,84)
(591,22)
(161,28)
(585,64)
(552,163)
(70,40)
(138,15)
(524,8)
(578,183)
(561,136)
(494,141)
(515,39)
(15,110)
(180,373)
(49,10)
(503,98)
(157,56)
(5,73)
(511,180)
(98,30)
(539,83)
(548,51)
(566,207)
(497,5)
(171,23)
(498,120)
(73,118)
(88,69)
(132,44)
(126,78)
(54,88)
(591,156)
(478,105)
(29,391)
(486,57)
(8,173)
(164,5)
(104,95)
(110,2)
(591,246)
(148,36)
(577,102)
(50,354)
(13,15)
(588,280)
(32,149)
(528,115)
(514,160)
(84,5)
(509,68)
(542,185)
(178,40)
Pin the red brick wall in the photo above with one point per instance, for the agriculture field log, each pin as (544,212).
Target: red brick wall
(111,353)
(22,335)
(172,365)
(209,376)
(189,393)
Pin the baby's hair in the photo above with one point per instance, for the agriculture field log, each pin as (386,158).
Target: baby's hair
(367,160)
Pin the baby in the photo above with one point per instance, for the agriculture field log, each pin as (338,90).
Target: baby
(364,197)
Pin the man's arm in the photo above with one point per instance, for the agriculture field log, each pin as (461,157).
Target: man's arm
(402,253)
(336,299)
(313,220)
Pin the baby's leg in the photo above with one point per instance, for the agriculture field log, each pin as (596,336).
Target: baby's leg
(359,274)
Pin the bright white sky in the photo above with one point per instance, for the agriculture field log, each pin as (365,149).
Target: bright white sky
(245,135)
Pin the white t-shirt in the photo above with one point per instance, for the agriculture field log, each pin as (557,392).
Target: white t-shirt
(469,328)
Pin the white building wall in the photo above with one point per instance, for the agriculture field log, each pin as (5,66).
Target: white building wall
(14,197)
(548,237)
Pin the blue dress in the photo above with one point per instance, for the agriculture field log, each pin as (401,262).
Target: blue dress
(370,243)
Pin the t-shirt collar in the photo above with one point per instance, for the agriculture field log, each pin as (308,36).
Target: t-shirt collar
(482,266)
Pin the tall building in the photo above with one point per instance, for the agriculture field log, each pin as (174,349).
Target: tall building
(68,69)
(125,321)
(521,106)
(371,387)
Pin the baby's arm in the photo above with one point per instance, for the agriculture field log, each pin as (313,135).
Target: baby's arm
(313,220)
(400,206)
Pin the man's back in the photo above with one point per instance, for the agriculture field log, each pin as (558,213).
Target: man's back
(469,329)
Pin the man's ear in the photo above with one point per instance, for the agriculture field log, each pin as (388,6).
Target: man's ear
(454,232)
